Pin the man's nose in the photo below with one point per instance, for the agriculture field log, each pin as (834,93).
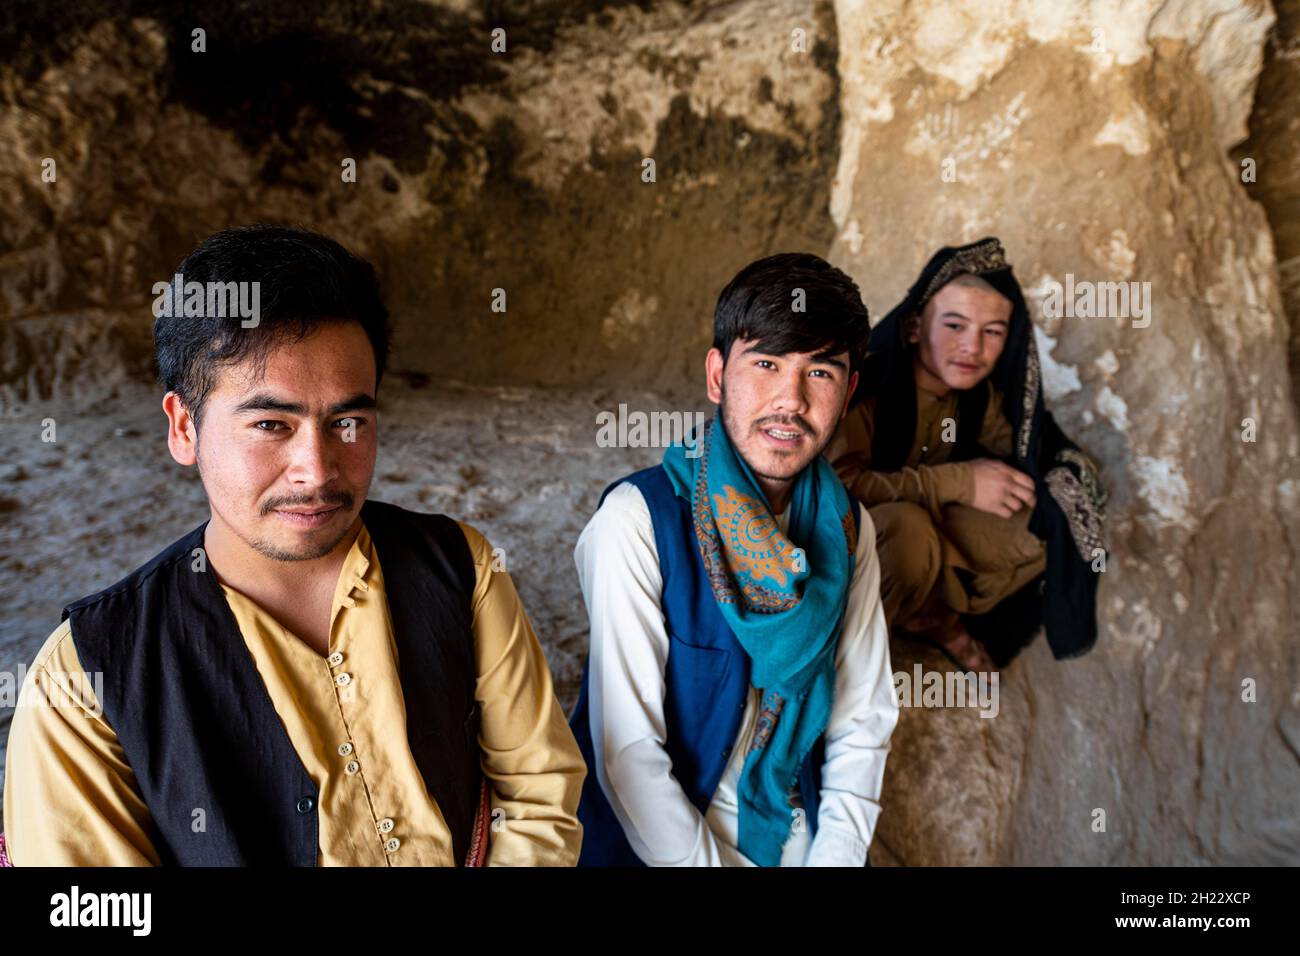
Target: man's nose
(792,395)
(312,461)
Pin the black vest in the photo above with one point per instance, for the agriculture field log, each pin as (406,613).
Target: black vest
(182,693)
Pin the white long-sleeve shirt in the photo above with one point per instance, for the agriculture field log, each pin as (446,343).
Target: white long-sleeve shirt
(618,567)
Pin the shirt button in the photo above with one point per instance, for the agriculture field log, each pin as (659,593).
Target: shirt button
(306,804)
(392,844)
(385,825)
(726,751)
(345,749)
(335,659)
(343,679)
(352,767)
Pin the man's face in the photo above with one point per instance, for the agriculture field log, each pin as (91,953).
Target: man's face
(962,332)
(780,411)
(287,457)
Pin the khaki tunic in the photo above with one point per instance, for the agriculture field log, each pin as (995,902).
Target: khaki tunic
(939,555)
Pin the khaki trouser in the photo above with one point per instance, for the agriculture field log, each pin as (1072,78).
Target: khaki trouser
(964,564)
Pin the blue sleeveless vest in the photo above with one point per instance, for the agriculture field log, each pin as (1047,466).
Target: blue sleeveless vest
(706,678)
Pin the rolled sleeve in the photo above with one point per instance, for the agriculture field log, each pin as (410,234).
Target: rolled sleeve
(529,755)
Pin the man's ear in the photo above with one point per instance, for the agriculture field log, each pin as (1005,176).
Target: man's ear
(848,396)
(182,432)
(713,375)
(913,328)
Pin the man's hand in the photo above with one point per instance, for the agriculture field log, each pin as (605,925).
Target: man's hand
(1000,489)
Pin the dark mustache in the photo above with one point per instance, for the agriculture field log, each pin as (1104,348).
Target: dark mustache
(789,421)
(341,500)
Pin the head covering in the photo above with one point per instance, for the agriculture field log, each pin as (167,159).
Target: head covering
(784,597)
(1070,498)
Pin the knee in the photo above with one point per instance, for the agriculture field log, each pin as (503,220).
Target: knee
(906,540)
(900,519)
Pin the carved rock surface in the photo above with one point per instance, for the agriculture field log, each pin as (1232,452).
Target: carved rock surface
(1097,145)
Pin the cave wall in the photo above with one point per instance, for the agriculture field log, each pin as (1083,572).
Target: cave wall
(1096,142)
(1271,151)
(476,170)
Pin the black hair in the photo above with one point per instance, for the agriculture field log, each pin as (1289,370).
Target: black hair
(304,279)
(759,303)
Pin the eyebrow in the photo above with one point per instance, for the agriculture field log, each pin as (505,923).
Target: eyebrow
(266,402)
(823,358)
(953,313)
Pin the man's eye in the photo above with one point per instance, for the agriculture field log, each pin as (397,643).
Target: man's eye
(347,422)
(822,372)
(765,362)
(997,332)
(956,327)
(274,425)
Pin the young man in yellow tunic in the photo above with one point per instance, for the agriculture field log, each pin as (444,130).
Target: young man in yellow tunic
(307,678)
(987,517)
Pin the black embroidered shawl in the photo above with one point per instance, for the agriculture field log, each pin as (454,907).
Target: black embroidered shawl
(1069,513)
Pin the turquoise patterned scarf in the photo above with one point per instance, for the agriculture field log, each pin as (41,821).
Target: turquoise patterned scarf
(784,598)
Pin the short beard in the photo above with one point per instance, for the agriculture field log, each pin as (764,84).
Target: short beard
(269,550)
(722,407)
(344,500)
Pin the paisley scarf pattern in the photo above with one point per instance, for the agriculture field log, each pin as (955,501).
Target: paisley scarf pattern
(784,597)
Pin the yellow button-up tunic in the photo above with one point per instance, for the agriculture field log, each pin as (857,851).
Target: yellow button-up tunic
(70,796)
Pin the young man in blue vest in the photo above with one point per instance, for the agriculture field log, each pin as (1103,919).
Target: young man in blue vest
(737,703)
(308,677)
